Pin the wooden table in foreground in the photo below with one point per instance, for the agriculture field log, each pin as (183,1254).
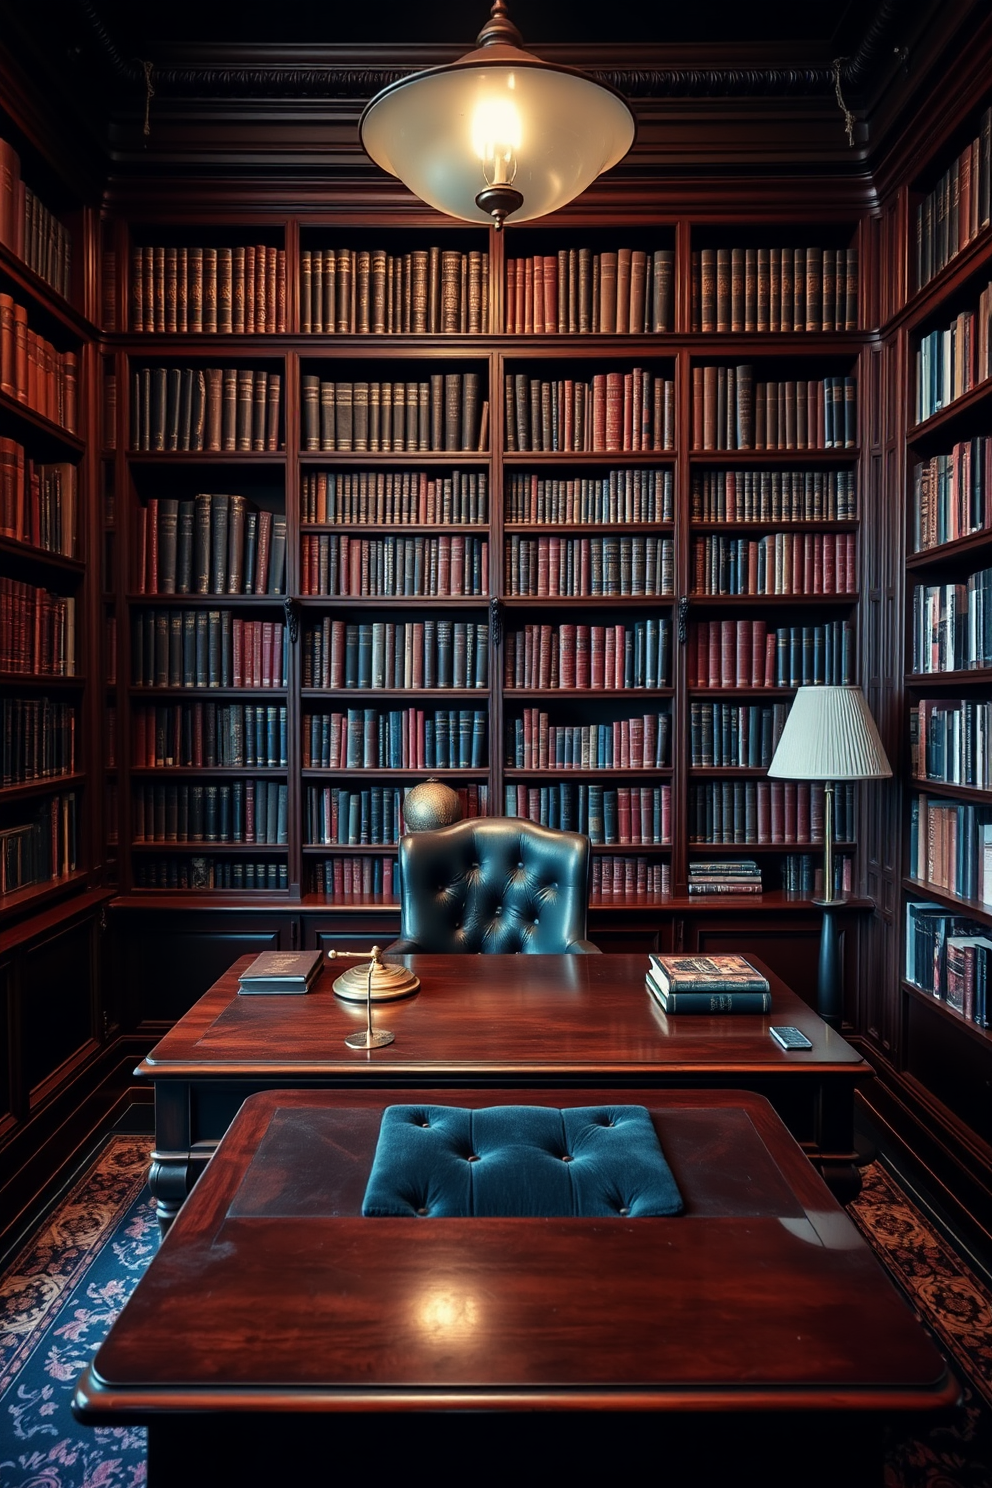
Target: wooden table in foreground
(554,1021)
(756,1328)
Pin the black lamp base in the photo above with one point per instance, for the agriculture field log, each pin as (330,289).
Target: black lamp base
(499,201)
(830,984)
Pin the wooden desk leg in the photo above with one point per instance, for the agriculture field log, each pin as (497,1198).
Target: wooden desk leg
(169,1174)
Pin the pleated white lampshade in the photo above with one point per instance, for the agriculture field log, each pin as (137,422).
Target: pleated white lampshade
(829,735)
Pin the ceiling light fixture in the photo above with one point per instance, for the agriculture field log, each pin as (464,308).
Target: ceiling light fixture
(498,132)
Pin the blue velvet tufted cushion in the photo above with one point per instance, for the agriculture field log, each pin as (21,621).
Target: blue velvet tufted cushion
(586,1162)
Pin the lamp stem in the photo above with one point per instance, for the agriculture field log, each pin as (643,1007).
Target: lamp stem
(828,841)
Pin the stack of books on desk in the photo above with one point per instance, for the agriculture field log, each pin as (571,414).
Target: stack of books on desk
(724,876)
(707,984)
(281,971)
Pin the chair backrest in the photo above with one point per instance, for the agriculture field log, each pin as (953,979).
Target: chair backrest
(494,884)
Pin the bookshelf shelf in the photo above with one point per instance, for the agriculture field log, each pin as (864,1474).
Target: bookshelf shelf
(38,432)
(611,773)
(38,559)
(44,786)
(979,677)
(397,773)
(920,889)
(959,553)
(38,896)
(203,772)
(969,1028)
(946,418)
(945,788)
(43,295)
(239,460)
(204,848)
(39,681)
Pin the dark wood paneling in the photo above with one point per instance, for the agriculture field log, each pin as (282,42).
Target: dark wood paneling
(167,960)
(56,994)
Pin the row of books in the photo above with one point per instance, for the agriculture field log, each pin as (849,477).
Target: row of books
(370,817)
(950,846)
(38,739)
(336,564)
(947,955)
(405,654)
(630,495)
(443,412)
(950,740)
(403,497)
(236,811)
(38,501)
(396,739)
(219,291)
(780,563)
(593,566)
(775,289)
(952,625)
(957,209)
(952,494)
(33,372)
(730,410)
(802,873)
(589,657)
(207,648)
(620,877)
(31,232)
(734,734)
(198,872)
(212,544)
(206,735)
(773,496)
(638,743)
(367,291)
(44,848)
(723,876)
(953,360)
(632,410)
(745,653)
(341,879)
(766,811)
(236,409)
(37,630)
(625,816)
(622,291)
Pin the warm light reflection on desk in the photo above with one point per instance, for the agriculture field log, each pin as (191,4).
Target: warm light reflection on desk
(444,1315)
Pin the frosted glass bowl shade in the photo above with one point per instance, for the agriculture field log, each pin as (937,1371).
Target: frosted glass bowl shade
(421,129)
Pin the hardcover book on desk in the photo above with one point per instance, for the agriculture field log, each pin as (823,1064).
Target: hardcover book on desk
(707,984)
(281,971)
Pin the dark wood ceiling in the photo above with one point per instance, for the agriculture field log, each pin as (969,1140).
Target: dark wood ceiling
(835,26)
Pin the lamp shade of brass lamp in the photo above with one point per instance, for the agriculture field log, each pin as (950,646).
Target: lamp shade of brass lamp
(829,735)
(499,131)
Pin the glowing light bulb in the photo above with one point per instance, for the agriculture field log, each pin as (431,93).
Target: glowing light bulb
(496,136)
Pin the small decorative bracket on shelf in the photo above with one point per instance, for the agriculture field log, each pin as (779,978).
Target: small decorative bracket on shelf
(292,618)
(683,619)
(496,622)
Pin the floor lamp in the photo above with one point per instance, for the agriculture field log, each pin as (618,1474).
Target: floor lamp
(829,735)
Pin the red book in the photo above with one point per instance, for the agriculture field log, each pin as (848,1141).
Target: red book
(237,653)
(728,653)
(511,296)
(538,294)
(777,788)
(583,657)
(764,811)
(802,814)
(713,678)
(550,293)
(609,656)
(744,648)
(759,633)
(597,655)
(619,657)
(770,649)
(599,412)
(789,816)
(255,680)
(666,813)
(629,405)
(647,814)
(567,649)
(614,418)
(623,815)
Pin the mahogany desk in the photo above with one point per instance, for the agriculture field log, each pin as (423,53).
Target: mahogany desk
(753,1338)
(554,1021)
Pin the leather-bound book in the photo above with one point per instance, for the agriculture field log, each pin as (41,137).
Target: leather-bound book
(259,409)
(171,288)
(608,268)
(343,321)
(219,525)
(419,291)
(210,291)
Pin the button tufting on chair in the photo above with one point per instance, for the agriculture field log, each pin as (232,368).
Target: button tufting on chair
(538,1160)
(488,865)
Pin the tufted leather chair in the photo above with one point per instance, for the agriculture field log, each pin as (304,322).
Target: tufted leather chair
(495,884)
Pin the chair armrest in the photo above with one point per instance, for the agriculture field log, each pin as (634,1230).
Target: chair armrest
(583,947)
(402,947)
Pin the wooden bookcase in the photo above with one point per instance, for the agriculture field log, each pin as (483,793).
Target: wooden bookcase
(502,596)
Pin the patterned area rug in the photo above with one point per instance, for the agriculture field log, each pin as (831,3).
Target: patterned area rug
(60,1295)
(952,1303)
